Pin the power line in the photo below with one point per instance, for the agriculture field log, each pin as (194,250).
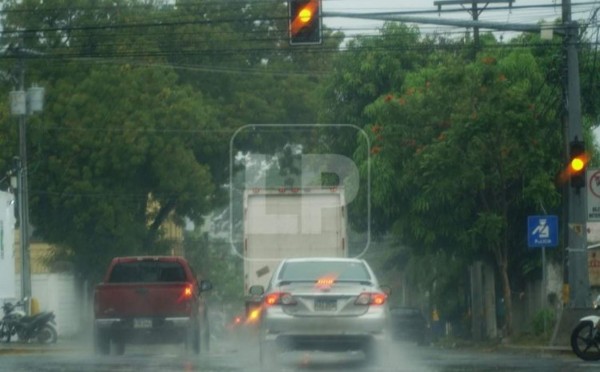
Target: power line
(166,23)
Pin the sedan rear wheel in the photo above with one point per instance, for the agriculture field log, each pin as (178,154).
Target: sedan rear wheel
(376,353)
(268,355)
(192,338)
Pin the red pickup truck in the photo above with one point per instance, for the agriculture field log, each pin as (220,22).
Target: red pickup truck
(150,299)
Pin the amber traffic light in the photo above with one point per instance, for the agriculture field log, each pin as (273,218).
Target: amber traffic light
(577,163)
(305,22)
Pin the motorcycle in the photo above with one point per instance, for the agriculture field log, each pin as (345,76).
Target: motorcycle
(585,337)
(40,326)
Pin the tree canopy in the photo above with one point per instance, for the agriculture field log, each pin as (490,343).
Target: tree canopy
(142,98)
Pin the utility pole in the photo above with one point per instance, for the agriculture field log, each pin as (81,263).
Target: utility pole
(577,265)
(475,11)
(23,198)
(24,103)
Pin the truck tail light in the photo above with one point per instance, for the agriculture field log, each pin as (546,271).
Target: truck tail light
(371,298)
(279,298)
(186,293)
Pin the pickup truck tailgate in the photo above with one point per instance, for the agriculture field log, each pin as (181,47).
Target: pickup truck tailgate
(124,300)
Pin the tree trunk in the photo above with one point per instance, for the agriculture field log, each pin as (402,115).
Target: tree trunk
(507,299)
(161,216)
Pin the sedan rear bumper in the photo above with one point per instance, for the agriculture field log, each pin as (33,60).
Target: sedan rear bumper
(277,325)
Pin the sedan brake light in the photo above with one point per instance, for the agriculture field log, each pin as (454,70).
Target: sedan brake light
(371,298)
(279,298)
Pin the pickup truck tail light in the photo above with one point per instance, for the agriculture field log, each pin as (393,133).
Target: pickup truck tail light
(371,298)
(186,293)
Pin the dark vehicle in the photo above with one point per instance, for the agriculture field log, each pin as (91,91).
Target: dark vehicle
(150,299)
(40,327)
(409,323)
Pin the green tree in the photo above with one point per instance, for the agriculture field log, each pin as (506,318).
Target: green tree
(142,98)
(460,159)
(115,155)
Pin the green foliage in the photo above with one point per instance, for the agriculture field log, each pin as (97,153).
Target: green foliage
(543,322)
(100,162)
(141,100)
(465,162)
(213,260)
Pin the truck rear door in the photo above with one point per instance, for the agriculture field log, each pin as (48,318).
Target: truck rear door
(146,288)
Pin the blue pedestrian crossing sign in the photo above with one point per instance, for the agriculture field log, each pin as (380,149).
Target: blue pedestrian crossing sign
(542,231)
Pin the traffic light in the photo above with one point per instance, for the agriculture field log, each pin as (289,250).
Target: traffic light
(305,22)
(577,163)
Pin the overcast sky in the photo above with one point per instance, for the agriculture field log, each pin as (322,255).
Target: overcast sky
(524,11)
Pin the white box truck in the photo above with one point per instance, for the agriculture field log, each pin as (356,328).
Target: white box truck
(290,222)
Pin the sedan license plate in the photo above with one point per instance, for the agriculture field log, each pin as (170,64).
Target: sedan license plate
(142,323)
(325,305)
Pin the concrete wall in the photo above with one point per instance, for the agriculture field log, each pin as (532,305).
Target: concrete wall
(527,303)
(58,293)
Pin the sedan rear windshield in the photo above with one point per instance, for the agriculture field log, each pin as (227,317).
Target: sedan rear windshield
(315,270)
(147,272)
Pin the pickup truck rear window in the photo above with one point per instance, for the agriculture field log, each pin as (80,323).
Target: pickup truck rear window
(147,272)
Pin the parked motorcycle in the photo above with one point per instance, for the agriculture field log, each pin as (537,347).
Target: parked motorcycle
(40,326)
(11,315)
(585,337)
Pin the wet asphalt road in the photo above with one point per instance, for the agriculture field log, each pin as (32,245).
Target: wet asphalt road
(242,355)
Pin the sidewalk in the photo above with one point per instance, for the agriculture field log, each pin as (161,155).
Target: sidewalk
(542,349)
(513,347)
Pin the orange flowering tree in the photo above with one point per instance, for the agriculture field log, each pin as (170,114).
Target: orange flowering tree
(463,153)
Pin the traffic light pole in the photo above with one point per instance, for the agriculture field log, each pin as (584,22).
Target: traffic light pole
(577,265)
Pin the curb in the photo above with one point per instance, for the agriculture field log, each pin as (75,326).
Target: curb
(539,349)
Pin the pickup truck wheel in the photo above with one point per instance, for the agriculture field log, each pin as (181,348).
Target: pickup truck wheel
(267,355)
(205,344)
(101,342)
(192,338)
(120,348)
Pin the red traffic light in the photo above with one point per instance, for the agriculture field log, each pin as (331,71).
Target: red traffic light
(305,21)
